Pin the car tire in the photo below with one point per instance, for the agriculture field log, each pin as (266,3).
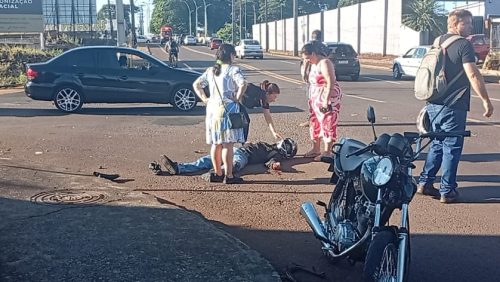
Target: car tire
(147,41)
(396,72)
(183,98)
(355,77)
(261,58)
(68,98)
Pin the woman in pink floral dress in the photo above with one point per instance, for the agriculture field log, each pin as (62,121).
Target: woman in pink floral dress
(324,100)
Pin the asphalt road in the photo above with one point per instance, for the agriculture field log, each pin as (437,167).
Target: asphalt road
(457,242)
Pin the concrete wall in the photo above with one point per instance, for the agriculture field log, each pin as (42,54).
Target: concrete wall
(363,26)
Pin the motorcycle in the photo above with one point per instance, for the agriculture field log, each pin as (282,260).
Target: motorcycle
(371,181)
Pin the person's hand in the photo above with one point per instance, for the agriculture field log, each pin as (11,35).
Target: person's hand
(324,107)
(276,166)
(488,108)
(277,135)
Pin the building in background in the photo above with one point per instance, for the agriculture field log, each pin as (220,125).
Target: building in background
(70,15)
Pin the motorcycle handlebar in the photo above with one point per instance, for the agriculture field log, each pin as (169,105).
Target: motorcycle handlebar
(359,151)
(432,135)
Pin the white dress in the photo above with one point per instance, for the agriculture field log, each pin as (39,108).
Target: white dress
(217,121)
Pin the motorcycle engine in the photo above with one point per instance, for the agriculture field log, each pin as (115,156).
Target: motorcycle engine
(345,235)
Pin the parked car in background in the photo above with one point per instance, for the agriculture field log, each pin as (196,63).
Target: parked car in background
(189,40)
(105,74)
(481,45)
(215,43)
(249,48)
(408,63)
(142,39)
(344,58)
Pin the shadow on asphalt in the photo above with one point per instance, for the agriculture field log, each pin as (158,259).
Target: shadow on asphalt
(473,158)
(436,257)
(132,111)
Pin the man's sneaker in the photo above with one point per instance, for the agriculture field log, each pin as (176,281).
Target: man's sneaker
(451,197)
(428,190)
(212,177)
(155,168)
(169,165)
(233,180)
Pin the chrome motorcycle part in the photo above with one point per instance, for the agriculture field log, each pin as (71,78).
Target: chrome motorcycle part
(383,172)
(308,211)
(345,235)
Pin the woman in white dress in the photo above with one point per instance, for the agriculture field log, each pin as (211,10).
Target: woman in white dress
(226,85)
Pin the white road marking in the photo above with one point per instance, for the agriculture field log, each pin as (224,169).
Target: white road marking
(493,99)
(377,79)
(286,62)
(483,122)
(187,66)
(364,98)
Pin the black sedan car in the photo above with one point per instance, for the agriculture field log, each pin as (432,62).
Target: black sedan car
(345,59)
(104,74)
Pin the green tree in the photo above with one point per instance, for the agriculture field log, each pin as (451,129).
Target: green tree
(225,32)
(424,15)
(344,3)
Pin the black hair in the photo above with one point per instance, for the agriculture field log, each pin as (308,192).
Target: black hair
(269,87)
(223,55)
(315,47)
(316,35)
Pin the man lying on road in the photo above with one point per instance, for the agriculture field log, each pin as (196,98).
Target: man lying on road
(249,153)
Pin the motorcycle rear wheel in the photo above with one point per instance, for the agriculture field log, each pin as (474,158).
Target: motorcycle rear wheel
(382,258)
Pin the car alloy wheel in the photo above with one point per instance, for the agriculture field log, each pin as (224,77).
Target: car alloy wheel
(68,99)
(184,99)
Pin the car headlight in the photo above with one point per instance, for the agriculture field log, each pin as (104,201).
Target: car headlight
(383,172)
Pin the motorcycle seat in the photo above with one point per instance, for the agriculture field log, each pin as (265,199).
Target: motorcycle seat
(349,146)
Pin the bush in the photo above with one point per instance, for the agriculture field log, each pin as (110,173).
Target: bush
(13,58)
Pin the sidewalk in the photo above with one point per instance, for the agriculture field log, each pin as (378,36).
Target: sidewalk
(61,226)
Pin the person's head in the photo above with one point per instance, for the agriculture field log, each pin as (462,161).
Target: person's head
(288,147)
(225,55)
(460,22)
(312,52)
(272,90)
(316,35)
(122,60)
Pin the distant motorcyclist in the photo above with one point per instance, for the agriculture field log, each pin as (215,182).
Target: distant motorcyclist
(172,48)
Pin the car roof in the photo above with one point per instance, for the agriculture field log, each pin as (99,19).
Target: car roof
(102,47)
(336,43)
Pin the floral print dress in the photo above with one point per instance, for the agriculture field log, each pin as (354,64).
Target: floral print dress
(323,125)
(222,99)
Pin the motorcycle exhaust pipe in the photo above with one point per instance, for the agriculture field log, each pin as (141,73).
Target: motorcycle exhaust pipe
(308,211)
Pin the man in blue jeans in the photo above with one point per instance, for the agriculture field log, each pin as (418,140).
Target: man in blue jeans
(445,154)
(249,153)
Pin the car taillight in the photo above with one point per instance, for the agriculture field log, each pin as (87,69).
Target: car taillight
(31,74)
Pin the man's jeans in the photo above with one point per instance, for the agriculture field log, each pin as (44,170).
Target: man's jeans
(445,153)
(240,160)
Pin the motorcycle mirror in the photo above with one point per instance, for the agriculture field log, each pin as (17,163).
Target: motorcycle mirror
(370,114)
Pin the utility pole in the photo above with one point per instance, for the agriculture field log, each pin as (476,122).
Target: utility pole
(189,11)
(241,23)
(132,20)
(120,22)
(295,28)
(110,19)
(267,26)
(90,20)
(232,20)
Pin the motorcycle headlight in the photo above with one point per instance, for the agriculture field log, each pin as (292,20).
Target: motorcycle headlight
(383,172)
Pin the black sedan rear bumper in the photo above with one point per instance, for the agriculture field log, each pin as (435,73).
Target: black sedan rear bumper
(39,91)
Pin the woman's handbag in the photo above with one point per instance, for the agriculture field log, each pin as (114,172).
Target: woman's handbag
(236,120)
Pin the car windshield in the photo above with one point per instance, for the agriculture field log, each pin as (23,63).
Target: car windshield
(218,41)
(342,50)
(251,42)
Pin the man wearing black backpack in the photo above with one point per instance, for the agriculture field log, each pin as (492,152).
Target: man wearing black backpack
(459,61)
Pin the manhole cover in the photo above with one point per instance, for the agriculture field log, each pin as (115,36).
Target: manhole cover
(66,197)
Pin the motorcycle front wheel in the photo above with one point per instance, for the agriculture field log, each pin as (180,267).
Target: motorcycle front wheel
(381,262)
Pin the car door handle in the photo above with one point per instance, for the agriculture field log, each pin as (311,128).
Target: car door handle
(123,77)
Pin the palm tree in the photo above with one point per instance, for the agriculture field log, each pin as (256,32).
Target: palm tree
(425,16)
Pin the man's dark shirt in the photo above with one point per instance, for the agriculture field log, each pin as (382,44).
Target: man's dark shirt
(255,97)
(458,53)
(262,152)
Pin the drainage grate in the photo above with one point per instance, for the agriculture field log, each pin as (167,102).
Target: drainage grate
(68,197)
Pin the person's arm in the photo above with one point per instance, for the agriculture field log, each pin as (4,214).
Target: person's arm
(198,86)
(239,79)
(477,82)
(328,72)
(270,124)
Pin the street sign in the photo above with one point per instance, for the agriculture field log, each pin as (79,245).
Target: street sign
(20,16)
